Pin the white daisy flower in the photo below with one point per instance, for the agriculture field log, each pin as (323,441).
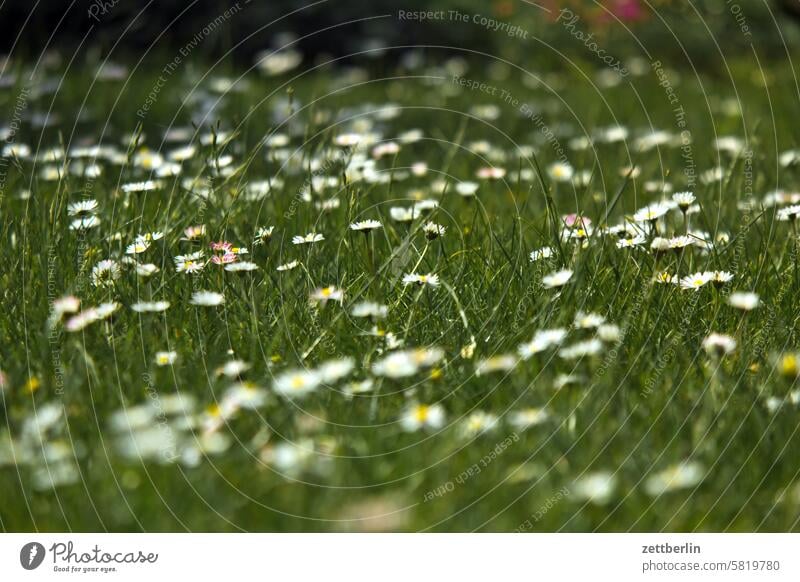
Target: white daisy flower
(207,298)
(241,267)
(477,423)
(297,383)
(560,172)
(150,306)
(542,253)
(165,358)
(433,231)
(744,300)
(586,348)
(527,418)
(191,263)
(365,225)
(557,279)
(326,294)
(287,266)
(307,239)
(422,416)
(430,279)
(719,344)
(680,476)
(82,207)
(105,273)
(697,280)
(370,309)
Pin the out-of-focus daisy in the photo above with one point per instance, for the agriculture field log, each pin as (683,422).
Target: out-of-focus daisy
(334,370)
(542,340)
(579,350)
(84,223)
(477,423)
(527,418)
(664,277)
(466,189)
(287,266)
(297,383)
(431,279)
(194,232)
(719,278)
(396,365)
(542,253)
(105,273)
(745,301)
(680,476)
(150,306)
(631,241)
(588,320)
(501,363)
(423,416)
(560,172)
(165,358)
(370,310)
(241,267)
(400,214)
(595,487)
(310,238)
(325,294)
(557,279)
(146,269)
(490,173)
(719,344)
(789,213)
(366,225)
(233,368)
(207,298)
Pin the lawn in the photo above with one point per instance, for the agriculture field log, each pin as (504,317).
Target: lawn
(538,333)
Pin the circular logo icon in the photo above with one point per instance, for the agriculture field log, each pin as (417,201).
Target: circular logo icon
(31,555)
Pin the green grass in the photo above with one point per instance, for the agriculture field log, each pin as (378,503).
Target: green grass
(652,401)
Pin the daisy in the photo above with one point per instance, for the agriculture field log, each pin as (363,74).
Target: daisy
(263,235)
(697,280)
(146,186)
(150,306)
(81,320)
(245,395)
(105,273)
(146,269)
(334,370)
(194,232)
(542,340)
(166,358)
(233,369)
(719,278)
(744,300)
(370,310)
(631,242)
(527,418)
(680,242)
(241,267)
(652,212)
(81,208)
(365,225)
(307,239)
(467,189)
(490,173)
(789,213)
(84,223)
(287,266)
(297,383)
(684,200)
(665,277)
(588,320)
(430,279)
(66,304)
(719,344)
(477,423)
(326,294)
(191,263)
(542,253)
(557,279)
(396,365)
(433,231)
(207,298)
(561,172)
(595,487)
(399,214)
(586,348)
(501,363)
(680,476)
(422,416)
(137,247)
(609,332)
